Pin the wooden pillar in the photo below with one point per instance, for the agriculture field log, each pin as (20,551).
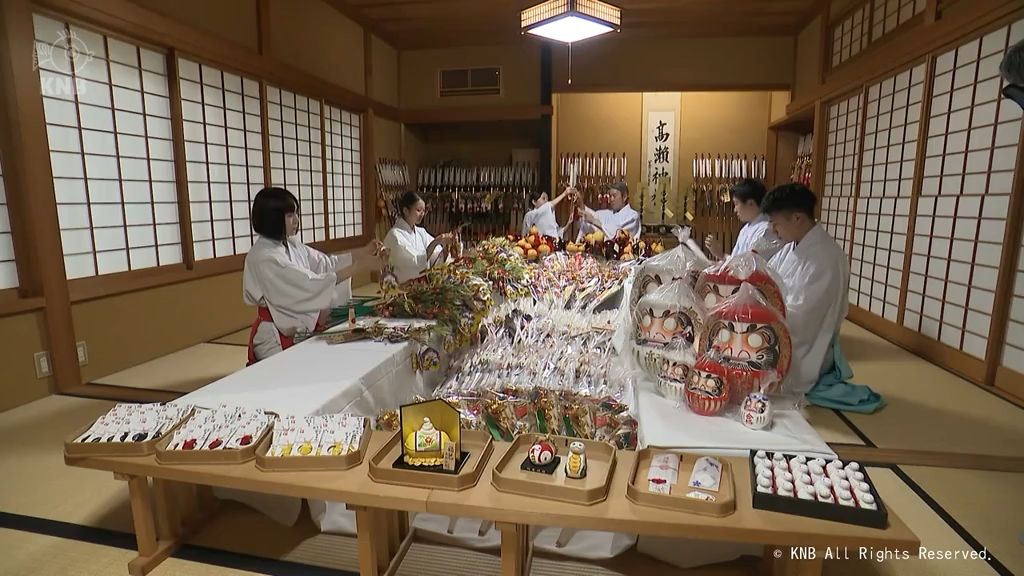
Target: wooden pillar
(544,170)
(30,183)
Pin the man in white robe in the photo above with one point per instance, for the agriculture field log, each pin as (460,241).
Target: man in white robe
(756,234)
(815,272)
(620,217)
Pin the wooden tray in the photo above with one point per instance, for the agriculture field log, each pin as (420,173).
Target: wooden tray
(74,449)
(637,492)
(477,443)
(165,456)
(309,463)
(508,477)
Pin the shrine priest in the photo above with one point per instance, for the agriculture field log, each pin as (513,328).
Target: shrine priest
(816,277)
(543,213)
(620,217)
(756,234)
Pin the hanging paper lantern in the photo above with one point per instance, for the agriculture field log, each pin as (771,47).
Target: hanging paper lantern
(718,283)
(750,337)
(708,389)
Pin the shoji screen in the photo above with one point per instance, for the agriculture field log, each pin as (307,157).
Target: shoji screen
(892,121)
(344,173)
(296,156)
(1013,350)
(888,14)
(968,175)
(850,36)
(8,266)
(109,130)
(224,149)
(840,169)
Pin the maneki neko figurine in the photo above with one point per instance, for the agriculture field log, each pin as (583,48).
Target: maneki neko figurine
(708,390)
(718,283)
(750,338)
(669,318)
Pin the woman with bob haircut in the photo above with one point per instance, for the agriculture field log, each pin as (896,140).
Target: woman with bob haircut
(291,284)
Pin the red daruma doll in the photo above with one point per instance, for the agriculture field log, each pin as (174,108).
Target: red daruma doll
(707,391)
(750,339)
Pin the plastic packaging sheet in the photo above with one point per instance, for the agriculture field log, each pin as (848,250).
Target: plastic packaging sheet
(722,280)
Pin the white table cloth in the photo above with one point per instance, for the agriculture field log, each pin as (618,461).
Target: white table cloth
(314,377)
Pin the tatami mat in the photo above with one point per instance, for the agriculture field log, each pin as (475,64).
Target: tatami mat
(36,481)
(933,532)
(183,371)
(240,338)
(830,426)
(987,504)
(27,554)
(928,408)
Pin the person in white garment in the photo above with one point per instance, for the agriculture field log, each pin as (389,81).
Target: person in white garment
(815,272)
(543,214)
(292,285)
(756,234)
(620,216)
(410,248)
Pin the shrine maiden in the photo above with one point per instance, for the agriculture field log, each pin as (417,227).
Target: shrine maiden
(620,217)
(292,284)
(411,249)
(543,214)
(756,234)
(816,277)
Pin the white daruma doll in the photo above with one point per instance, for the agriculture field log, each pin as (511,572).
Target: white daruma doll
(670,318)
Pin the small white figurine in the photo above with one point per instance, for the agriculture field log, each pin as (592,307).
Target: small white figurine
(757,411)
(786,488)
(576,463)
(764,485)
(867,501)
(846,499)
(806,493)
(825,495)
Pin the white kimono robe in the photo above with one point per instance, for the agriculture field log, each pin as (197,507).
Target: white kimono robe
(816,275)
(757,235)
(611,222)
(408,250)
(544,219)
(295,282)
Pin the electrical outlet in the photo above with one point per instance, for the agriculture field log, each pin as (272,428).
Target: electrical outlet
(83,353)
(43,368)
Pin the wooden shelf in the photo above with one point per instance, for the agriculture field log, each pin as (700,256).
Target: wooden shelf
(799,122)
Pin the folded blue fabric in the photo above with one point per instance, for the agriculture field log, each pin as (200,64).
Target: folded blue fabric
(834,390)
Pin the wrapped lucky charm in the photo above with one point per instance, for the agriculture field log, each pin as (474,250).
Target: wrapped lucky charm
(751,338)
(756,411)
(720,282)
(708,389)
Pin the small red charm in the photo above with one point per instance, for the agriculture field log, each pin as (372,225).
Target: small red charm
(189,444)
(246,440)
(215,444)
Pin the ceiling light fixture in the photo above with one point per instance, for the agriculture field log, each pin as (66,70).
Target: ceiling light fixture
(570,21)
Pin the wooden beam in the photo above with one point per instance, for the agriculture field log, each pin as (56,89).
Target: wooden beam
(824,43)
(479,114)
(263,17)
(31,179)
(358,16)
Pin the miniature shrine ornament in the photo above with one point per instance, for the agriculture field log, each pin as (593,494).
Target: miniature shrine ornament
(576,463)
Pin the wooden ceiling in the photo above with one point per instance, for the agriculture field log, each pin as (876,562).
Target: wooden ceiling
(411,24)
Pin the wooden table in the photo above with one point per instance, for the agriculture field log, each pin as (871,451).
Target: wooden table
(167,514)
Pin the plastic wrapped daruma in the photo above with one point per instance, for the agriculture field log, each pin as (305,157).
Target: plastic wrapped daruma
(676,366)
(679,263)
(707,391)
(723,280)
(749,337)
(669,318)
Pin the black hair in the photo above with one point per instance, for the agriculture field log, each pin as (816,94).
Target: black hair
(622,188)
(407,200)
(749,189)
(792,197)
(536,194)
(269,209)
